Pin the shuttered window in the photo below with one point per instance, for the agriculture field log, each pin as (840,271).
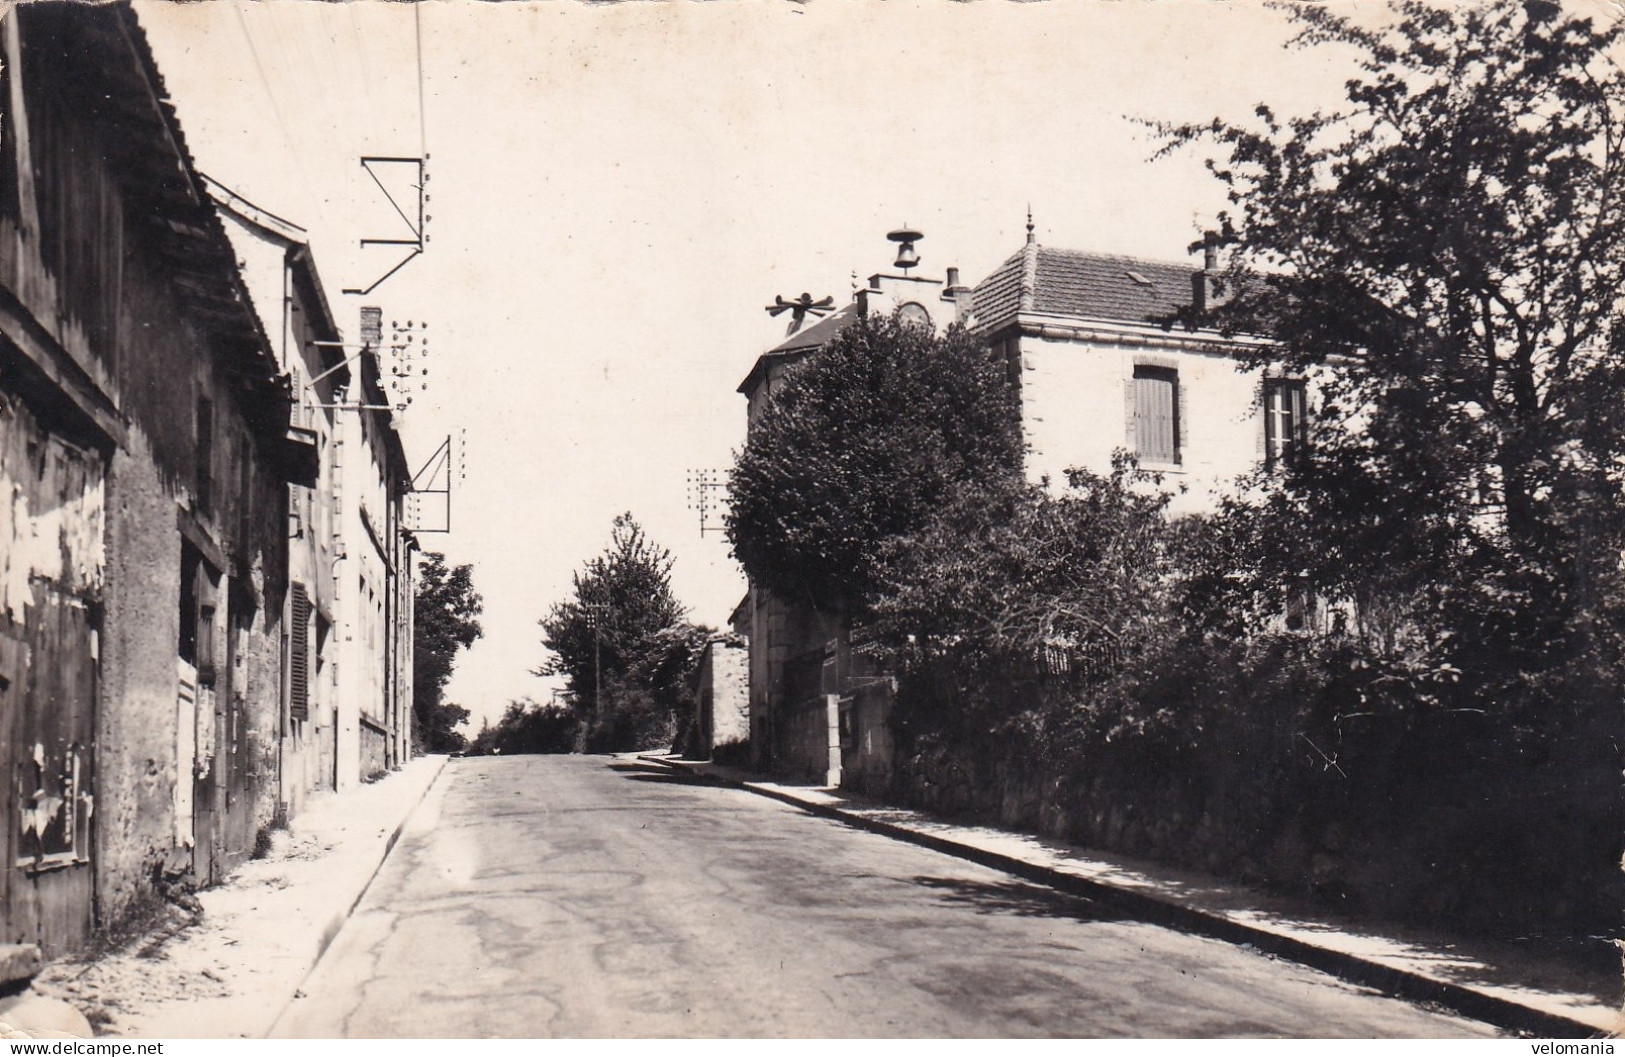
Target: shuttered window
(299,655)
(1285,422)
(1156,414)
(205,455)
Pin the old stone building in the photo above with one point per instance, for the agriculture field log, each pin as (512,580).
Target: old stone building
(1101,370)
(280,273)
(818,707)
(373,594)
(146,453)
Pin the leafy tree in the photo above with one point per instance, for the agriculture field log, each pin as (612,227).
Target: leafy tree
(528,727)
(1445,253)
(623,644)
(445,620)
(868,438)
(1015,600)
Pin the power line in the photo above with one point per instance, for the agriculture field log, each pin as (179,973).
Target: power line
(417,32)
(276,108)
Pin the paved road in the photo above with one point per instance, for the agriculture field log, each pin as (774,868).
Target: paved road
(590,896)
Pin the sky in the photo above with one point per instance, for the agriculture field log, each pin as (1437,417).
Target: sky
(616,192)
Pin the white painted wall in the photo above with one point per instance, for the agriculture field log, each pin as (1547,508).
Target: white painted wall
(1077,410)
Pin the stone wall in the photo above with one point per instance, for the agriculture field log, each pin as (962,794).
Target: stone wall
(1463,839)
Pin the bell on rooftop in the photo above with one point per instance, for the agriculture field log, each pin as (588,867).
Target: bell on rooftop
(905,237)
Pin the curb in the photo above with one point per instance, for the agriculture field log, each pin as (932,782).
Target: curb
(338,918)
(1397,983)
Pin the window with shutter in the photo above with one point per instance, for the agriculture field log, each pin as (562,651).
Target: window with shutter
(299,655)
(204,484)
(1156,414)
(1285,420)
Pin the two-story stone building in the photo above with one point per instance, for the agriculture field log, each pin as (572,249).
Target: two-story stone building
(1101,370)
(147,454)
(175,454)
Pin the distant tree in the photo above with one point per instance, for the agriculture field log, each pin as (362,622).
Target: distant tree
(527,727)
(623,644)
(445,620)
(1450,246)
(866,440)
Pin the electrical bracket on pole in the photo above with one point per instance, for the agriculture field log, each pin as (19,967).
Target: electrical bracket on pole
(434,479)
(417,228)
(701,485)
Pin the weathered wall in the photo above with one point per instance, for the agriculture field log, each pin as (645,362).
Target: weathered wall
(124,294)
(52,552)
(136,826)
(867,743)
(730,694)
(1425,819)
(244,522)
(374,751)
(282,286)
(721,719)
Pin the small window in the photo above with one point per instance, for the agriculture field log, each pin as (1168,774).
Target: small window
(205,454)
(1138,279)
(1156,414)
(200,586)
(299,654)
(1286,429)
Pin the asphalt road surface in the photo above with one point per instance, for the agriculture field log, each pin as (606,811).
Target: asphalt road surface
(570,896)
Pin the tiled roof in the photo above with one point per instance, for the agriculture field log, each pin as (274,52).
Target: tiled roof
(998,297)
(820,332)
(799,344)
(1089,285)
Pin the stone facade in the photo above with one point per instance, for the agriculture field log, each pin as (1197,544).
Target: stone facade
(721,723)
(1091,339)
(818,710)
(1103,371)
(171,491)
(287,294)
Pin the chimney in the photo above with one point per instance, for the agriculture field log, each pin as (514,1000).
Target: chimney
(957,294)
(1204,290)
(372,326)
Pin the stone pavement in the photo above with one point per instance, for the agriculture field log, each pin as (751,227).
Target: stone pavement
(1528,991)
(230,973)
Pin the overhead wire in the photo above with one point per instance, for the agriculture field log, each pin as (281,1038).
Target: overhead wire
(276,107)
(417,33)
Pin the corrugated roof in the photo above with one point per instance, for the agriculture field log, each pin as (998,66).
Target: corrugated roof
(1089,285)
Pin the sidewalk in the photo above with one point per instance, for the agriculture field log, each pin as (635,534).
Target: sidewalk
(1501,984)
(230,973)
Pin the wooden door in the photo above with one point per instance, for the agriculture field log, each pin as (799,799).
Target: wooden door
(48,691)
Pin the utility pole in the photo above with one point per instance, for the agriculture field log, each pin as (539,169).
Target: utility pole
(595,619)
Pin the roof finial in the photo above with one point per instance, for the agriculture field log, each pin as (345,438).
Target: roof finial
(1030,238)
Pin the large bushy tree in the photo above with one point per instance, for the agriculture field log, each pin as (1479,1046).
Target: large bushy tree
(623,643)
(1015,599)
(1447,250)
(445,620)
(866,440)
